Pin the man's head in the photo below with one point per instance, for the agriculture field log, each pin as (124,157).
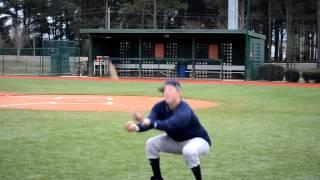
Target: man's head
(172,92)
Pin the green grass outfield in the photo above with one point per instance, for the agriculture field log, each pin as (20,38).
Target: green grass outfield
(258,132)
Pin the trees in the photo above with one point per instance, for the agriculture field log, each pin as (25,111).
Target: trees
(13,10)
(4,31)
(63,19)
(318,35)
(28,20)
(301,31)
(289,32)
(160,13)
(290,26)
(16,19)
(92,13)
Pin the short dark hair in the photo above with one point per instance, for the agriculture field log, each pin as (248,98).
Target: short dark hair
(172,82)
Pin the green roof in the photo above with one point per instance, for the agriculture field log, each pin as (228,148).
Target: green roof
(170,31)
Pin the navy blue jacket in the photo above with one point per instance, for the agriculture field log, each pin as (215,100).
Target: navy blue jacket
(180,124)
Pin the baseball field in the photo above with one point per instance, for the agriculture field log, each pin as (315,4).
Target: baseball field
(259,132)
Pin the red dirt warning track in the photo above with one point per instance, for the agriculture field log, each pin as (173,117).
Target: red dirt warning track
(183,81)
(87,102)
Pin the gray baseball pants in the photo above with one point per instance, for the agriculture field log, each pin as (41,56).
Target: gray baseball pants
(191,149)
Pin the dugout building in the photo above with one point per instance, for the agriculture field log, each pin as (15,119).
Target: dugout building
(183,53)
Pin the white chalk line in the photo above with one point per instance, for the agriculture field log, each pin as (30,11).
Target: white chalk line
(77,98)
(65,97)
(23,104)
(52,103)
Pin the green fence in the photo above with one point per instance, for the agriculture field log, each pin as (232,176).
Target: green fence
(256,58)
(40,61)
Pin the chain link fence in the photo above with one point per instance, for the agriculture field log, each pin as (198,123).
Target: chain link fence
(40,61)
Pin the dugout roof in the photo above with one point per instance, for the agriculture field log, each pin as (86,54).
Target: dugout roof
(176,32)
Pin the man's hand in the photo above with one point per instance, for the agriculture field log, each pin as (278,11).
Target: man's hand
(131,126)
(139,117)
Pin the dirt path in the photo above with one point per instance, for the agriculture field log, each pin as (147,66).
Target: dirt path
(183,81)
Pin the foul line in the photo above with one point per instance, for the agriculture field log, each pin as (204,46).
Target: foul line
(8,105)
(53,103)
(64,97)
